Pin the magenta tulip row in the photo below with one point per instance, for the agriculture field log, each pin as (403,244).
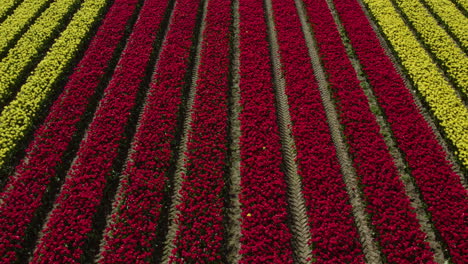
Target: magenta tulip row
(399,233)
(440,187)
(334,236)
(24,192)
(66,232)
(131,235)
(266,237)
(201,232)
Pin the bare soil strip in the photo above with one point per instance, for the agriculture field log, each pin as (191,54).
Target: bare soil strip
(297,209)
(367,236)
(181,156)
(405,176)
(233,211)
(419,101)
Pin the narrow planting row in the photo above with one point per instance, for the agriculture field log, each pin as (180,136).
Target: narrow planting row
(22,199)
(398,230)
(133,229)
(200,235)
(334,236)
(265,233)
(70,224)
(439,185)
(29,47)
(444,103)
(449,55)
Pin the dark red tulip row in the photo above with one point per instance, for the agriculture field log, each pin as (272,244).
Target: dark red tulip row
(24,192)
(266,237)
(334,236)
(439,185)
(201,233)
(398,230)
(133,230)
(70,222)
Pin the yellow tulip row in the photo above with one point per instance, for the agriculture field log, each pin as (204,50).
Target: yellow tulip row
(17,117)
(447,52)
(6,5)
(451,16)
(29,46)
(16,22)
(463,3)
(444,103)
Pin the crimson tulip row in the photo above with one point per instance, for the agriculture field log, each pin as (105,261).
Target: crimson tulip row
(266,236)
(440,187)
(25,191)
(200,232)
(399,233)
(334,236)
(67,231)
(130,236)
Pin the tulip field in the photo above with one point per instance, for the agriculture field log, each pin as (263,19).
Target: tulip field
(234,131)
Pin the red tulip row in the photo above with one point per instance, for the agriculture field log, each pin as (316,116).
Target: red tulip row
(66,233)
(439,185)
(334,236)
(266,237)
(133,229)
(24,193)
(201,233)
(398,230)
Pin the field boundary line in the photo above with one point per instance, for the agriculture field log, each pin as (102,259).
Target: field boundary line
(387,134)
(297,208)
(367,236)
(418,99)
(180,167)
(233,212)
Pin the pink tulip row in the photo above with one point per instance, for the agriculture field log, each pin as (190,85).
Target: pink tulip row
(266,237)
(334,236)
(132,233)
(201,233)
(439,185)
(65,235)
(24,193)
(399,233)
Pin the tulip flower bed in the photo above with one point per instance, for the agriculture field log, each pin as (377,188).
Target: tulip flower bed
(328,203)
(133,228)
(6,6)
(18,116)
(200,232)
(65,234)
(439,185)
(446,51)
(444,103)
(19,20)
(101,174)
(31,44)
(388,205)
(25,191)
(265,233)
(452,18)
